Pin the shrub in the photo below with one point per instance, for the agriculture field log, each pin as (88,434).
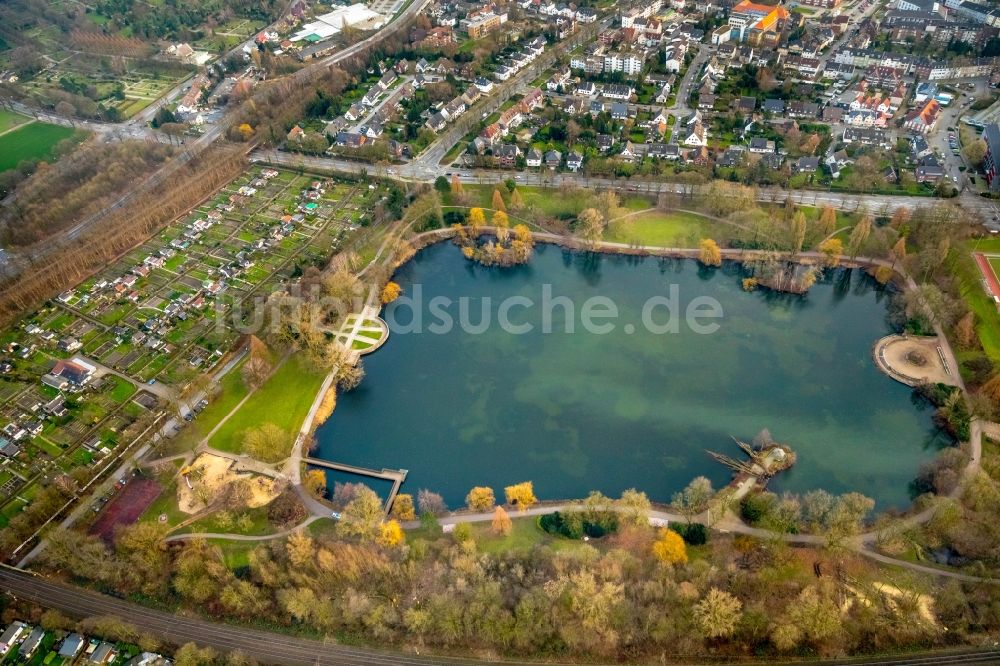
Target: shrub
(694,534)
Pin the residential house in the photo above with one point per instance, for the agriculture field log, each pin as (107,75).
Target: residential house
(436,122)
(553,159)
(799,109)
(534,158)
(930,173)
(774,106)
(71,647)
(31,644)
(832,114)
(865,136)
(574,161)
(746,105)
(618,91)
(806,164)
(761,146)
(13,635)
(837,161)
(387,80)
(923,118)
(104,653)
(507,155)
(696,136)
(732,157)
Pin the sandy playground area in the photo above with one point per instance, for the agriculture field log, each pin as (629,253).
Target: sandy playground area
(209,474)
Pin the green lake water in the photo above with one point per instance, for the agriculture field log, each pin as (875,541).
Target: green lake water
(584,411)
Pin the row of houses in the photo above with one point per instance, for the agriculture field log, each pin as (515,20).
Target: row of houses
(26,641)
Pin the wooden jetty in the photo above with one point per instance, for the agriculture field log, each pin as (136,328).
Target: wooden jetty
(397,476)
(765,461)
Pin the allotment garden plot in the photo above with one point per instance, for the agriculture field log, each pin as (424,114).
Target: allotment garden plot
(85,374)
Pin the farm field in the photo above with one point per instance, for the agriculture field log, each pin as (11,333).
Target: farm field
(33,141)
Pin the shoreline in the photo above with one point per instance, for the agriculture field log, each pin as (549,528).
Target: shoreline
(425,239)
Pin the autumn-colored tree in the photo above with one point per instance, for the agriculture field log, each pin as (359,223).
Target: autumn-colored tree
(477,219)
(390,292)
(590,225)
(522,233)
(718,614)
(480,498)
(694,498)
(521,495)
(268,443)
(809,144)
(362,517)
(246,132)
(502,224)
(883,274)
(498,203)
(456,184)
(975,152)
(390,534)
(828,220)
(669,548)
(965,330)
(314,482)
(833,248)
(798,230)
(501,522)
(516,202)
(991,389)
(402,507)
(859,234)
(898,251)
(900,217)
(709,253)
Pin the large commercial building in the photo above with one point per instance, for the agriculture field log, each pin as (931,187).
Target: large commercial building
(749,18)
(991,164)
(328,25)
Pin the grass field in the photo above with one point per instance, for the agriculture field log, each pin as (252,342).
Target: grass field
(10,120)
(964,267)
(283,400)
(558,203)
(31,142)
(666,229)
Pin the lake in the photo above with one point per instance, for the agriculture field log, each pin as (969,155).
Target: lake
(633,406)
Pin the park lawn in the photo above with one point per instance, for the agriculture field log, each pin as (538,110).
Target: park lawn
(235,554)
(259,525)
(34,141)
(165,504)
(524,535)
(554,202)
(283,400)
(10,120)
(663,229)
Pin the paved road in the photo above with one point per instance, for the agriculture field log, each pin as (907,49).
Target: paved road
(878,203)
(194,147)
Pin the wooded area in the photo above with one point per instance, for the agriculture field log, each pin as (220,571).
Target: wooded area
(120,231)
